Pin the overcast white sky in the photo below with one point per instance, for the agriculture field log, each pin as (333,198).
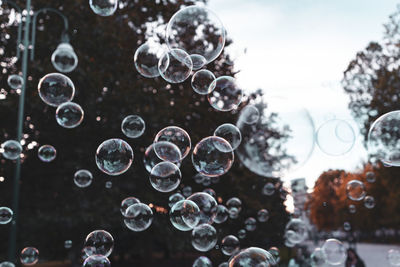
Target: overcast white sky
(299,49)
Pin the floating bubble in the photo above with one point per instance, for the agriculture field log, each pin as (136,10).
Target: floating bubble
(352,208)
(226,95)
(268,189)
(175,66)
(384,139)
(138,217)
(167,151)
(230,245)
(177,136)
(15,81)
(346,226)
(212,156)
(97,261)
(187,191)
(222,214)
(263,215)
(355,190)
(334,251)
(207,206)
(69,115)
(198,61)
(103,7)
(249,114)
(199,178)
(133,126)
(202,261)
(108,184)
(114,156)
(230,133)
(151,159)
(11,149)
(234,206)
(6,215)
(242,233)
(184,215)
(204,237)
(369,202)
(68,244)
(251,257)
(198,31)
(296,231)
(165,177)
(47,153)
(147,57)
(393,257)
(335,137)
(99,242)
(174,198)
(202,81)
(317,258)
(250,224)
(29,256)
(64,58)
(55,89)
(83,178)
(7,264)
(126,203)
(370,177)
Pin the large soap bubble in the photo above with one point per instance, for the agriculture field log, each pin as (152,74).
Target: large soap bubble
(133,126)
(29,256)
(55,89)
(138,217)
(15,81)
(83,178)
(96,261)
(99,242)
(280,141)
(104,7)
(230,133)
(230,245)
(335,137)
(251,257)
(146,59)
(69,115)
(226,94)
(114,156)
(177,136)
(151,158)
(11,149)
(355,190)
(207,206)
(184,215)
(165,177)
(204,237)
(64,58)
(202,81)
(175,66)
(334,251)
(6,215)
(198,31)
(47,153)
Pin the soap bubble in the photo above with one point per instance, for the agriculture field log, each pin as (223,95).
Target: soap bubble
(230,245)
(184,215)
(207,206)
(202,261)
(177,136)
(133,126)
(251,257)
(97,261)
(150,158)
(346,226)
(126,203)
(281,140)
(83,178)
(296,231)
(334,251)
(103,7)
(204,237)
(234,206)
(29,256)
(15,81)
(335,137)
(222,214)
(355,190)
(369,202)
(202,81)
(69,115)
(250,224)
(138,217)
(370,177)
(175,66)
(165,177)
(230,133)
(393,257)
(317,258)
(199,178)
(68,244)
(11,149)
(6,215)
(114,156)
(198,61)
(64,58)
(226,95)
(263,215)
(147,57)
(198,31)
(212,156)
(108,184)
(187,191)
(7,264)
(174,198)
(352,209)
(55,89)
(242,233)
(268,189)
(249,114)
(384,139)
(167,151)
(99,242)
(47,153)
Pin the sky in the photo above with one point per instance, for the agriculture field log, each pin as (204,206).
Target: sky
(299,50)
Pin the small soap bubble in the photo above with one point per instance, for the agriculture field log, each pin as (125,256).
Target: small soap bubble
(165,177)
(202,81)
(69,115)
(207,206)
(68,244)
(263,215)
(355,190)
(222,214)
(126,203)
(133,126)
(11,149)
(146,59)
(334,251)
(29,256)
(177,136)
(83,178)
(138,217)
(369,202)
(268,189)
(15,81)
(99,242)
(6,215)
(227,94)
(249,114)
(250,224)
(175,66)
(64,58)
(230,245)
(230,133)
(184,215)
(204,237)
(114,156)
(47,153)
(56,89)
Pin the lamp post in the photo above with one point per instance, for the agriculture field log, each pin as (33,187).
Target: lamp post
(26,44)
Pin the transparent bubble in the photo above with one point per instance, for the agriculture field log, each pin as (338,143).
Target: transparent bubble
(346,226)
(230,133)
(317,258)
(174,198)
(202,261)
(6,215)
(268,189)
(263,215)
(370,177)
(251,257)
(249,114)
(177,136)
(175,66)
(126,203)
(68,244)
(133,126)
(29,256)
(108,184)
(69,115)
(202,81)
(64,58)
(103,7)
(207,206)
(184,215)
(242,233)
(222,214)
(226,95)
(55,89)
(355,190)
(352,208)
(369,202)
(15,81)
(138,217)
(274,251)
(234,205)
(384,139)
(83,178)
(7,264)
(165,177)
(334,251)
(296,231)
(198,31)
(97,261)
(99,242)
(393,257)
(250,224)
(198,61)
(47,153)
(212,156)
(11,149)
(114,156)
(204,237)
(335,137)
(230,245)
(187,191)
(167,151)
(150,158)
(147,57)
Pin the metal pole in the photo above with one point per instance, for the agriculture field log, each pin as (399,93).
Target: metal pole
(13,233)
